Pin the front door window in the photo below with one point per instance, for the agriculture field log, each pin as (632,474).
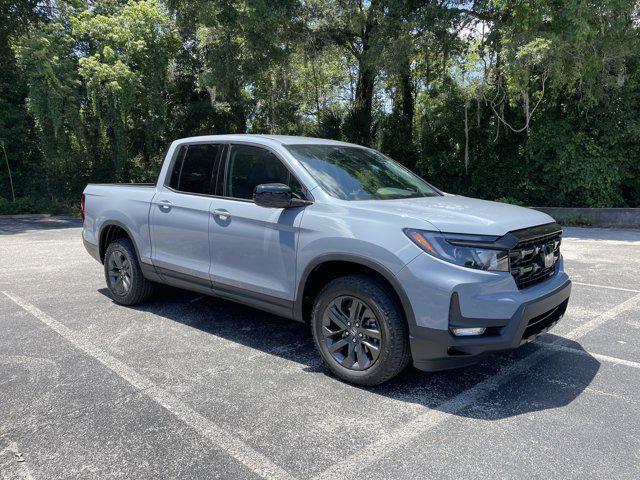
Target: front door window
(251,166)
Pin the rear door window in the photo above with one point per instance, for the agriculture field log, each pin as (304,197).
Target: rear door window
(194,168)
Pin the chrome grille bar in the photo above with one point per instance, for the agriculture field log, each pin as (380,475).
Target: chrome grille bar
(533,260)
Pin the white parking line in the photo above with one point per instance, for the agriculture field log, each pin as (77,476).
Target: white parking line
(597,356)
(583,329)
(609,287)
(391,441)
(222,439)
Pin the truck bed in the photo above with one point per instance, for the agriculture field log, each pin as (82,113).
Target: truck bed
(127,204)
(151,185)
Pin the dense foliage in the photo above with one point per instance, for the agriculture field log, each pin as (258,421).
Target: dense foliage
(534,102)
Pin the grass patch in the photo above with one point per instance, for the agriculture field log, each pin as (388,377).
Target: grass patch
(30,205)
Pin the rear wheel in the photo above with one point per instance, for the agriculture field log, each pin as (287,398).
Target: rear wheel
(124,275)
(360,331)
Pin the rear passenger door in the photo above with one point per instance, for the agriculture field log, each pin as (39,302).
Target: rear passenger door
(253,248)
(180,216)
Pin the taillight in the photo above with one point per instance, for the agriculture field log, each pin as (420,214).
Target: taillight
(82,207)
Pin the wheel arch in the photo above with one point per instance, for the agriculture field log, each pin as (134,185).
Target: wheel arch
(314,278)
(112,230)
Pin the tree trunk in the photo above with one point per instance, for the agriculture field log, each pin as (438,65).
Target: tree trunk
(363,104)
(315,82)
(407,94)
(237,108)
(406,87)
(13,193)
(466,136)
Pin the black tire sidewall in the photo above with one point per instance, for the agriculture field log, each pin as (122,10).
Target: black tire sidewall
(389,317)
(125,247)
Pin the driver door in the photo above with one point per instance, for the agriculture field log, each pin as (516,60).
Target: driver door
(253,251)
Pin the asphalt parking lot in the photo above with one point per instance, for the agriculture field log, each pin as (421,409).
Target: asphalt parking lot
(196,387)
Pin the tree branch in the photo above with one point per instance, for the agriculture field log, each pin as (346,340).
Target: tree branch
(528,115)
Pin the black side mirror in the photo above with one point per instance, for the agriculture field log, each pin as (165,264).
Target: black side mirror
(276,195)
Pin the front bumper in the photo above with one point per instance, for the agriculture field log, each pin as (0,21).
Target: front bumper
(438,349)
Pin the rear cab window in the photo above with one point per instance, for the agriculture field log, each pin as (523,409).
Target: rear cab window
(194,168)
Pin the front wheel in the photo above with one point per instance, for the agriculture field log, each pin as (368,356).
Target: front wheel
(124,275)
(360,331)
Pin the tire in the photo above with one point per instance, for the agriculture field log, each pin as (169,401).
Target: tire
(336,304)
(123,274)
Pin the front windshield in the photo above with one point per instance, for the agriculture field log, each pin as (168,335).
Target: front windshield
(356,173)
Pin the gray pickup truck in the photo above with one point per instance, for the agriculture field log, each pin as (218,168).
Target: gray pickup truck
(385,268)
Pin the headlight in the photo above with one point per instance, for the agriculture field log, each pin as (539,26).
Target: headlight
(464,250)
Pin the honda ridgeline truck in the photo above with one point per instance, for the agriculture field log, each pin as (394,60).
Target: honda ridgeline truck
(385,268)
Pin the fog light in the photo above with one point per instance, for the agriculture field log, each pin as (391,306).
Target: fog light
(468,332)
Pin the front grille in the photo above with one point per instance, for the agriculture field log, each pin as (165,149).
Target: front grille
(542,322)
(533,260)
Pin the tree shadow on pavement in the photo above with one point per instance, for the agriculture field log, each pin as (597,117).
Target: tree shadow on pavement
(13,226)
(554,380)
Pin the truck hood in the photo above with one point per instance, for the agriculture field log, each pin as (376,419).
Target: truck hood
(457,214)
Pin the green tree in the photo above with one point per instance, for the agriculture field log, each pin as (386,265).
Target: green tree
(46,57)
(126,53)
(18,144)
(535,102)
(242,48)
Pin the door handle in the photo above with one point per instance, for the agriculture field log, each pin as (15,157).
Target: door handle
(222,214)
(165,205)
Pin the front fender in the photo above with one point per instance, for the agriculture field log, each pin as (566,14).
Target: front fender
(362,253)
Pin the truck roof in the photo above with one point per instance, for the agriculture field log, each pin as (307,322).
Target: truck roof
(281,139)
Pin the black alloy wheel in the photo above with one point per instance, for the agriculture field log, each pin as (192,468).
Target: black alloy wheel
(360,330)
(351,333)
(123,274)
(119,273)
